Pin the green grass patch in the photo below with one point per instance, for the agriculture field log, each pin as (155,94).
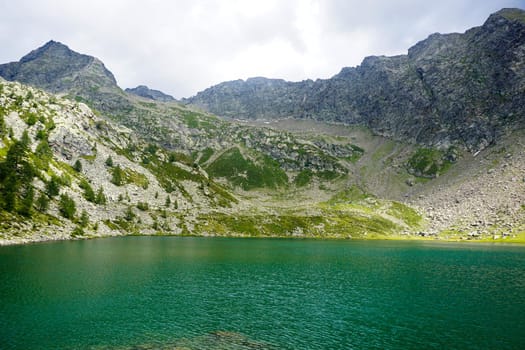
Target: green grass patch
(123,176)
(169,171)
(514,238)
(169,175)
(327,175)
(428,163)
(330,224)
(144,206)
(111,225)
(405,213)
(224,198)
(352,194)
(66,169)
(357,153)
(303,178)
(258,225)
(181,158)
(360,225)
(7,220)
(191,120)
(246,173)
(383,150)
(148,104)
(196,120)
(3,152)
(131,176)
(90,159)
(206,155)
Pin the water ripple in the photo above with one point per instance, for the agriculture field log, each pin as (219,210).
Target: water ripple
(167,293)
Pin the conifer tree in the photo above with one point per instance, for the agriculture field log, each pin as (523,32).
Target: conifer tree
(16,173)
(129,215)
(15,156)
(101,197)
(26,205)
(44,154)
(78,166)
(9,192)
(67,206)
(2,125)
(89,194)
(26,141)
(117,176)
(53,187)
(84,219)
(42,203)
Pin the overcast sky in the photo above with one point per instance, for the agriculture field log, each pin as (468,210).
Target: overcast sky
(184,46)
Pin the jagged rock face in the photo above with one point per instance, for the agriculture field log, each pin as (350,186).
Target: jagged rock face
(462,89)
(144,91)
(57,69)
(255,98)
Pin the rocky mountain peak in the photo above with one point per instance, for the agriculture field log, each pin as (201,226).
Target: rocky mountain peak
(52,48)
(57,68)
(146,92)
(510,14)
(507,22)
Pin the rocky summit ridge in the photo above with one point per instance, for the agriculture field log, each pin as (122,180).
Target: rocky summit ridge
(450,89)
(56,68)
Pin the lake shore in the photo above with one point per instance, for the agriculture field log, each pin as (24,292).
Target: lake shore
(41,238)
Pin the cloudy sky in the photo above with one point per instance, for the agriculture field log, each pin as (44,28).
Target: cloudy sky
(184,46)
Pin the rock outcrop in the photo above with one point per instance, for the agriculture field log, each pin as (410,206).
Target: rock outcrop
(146,92)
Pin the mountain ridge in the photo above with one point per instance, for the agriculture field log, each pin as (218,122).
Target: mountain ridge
(146,92)
(450,89)
(349,178)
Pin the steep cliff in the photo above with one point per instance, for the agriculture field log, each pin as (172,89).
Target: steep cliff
(453,89)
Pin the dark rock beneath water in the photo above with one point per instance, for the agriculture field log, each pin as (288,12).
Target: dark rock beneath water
(210,341)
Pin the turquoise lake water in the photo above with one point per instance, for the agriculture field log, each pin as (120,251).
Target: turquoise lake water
(224,293)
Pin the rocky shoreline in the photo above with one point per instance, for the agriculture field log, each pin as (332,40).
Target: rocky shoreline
(419,237)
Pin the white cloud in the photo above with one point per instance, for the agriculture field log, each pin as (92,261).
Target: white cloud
(182,47)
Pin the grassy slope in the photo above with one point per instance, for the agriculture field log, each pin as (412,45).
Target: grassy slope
(248,193)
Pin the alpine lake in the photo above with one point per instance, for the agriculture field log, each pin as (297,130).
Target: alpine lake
(240,293)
